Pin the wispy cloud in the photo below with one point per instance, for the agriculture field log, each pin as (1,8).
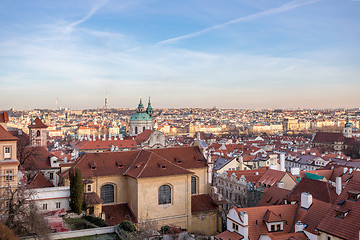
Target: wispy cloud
(283,8)
(94,9)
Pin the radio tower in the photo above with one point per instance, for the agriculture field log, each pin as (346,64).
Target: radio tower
(106,100)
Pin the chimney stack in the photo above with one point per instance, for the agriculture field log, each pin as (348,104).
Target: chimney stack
(338,185)
(306,200)
(282,162)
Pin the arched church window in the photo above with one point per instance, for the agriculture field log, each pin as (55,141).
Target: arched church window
(135,130)
(38,133)
(107,193)
(193,185)
(164,194)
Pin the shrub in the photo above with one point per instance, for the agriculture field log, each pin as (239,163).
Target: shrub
(127,226)
(97,221)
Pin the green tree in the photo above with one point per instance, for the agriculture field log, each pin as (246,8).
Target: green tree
(76,190)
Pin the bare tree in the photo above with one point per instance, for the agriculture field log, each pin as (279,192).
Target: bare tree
(21,214)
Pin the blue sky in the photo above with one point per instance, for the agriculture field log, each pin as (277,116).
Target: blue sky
(229,54)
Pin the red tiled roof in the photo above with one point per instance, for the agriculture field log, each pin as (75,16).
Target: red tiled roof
(4,117)
(141,163)
(314,215)
(104,144)
(5,135)
(348,227)
(202,203)
(142,137)
(256,224)
(271,217)
(287,236)
(271,177)
(37,124)
(327,137)
(40,181)
(92,198)
(250,175)
(36,158)
(318,189)
(227,235)
(273,196)
(115,214)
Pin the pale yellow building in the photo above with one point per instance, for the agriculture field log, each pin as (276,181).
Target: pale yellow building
(167,186)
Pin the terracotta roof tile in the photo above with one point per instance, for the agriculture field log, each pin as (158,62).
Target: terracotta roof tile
(142,137)
(347,227)
(202,203)
(273,196)
(40,181)
(227,235)
(104,144)
(4,117)
(5,135)
(115,214)
(36,158)
(92,198)
(37,124)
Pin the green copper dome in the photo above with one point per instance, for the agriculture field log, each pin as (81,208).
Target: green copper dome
(149,108)
(140,116)
(347,124)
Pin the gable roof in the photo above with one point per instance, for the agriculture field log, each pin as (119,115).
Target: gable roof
(328,137)
(104,144)
(40,181)
(318,189)
(273,196)
(271,177)
(348,227)
(5,135)
(257,227)
(37,123)
(36,158)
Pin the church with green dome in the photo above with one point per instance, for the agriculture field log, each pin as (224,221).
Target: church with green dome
(142,119)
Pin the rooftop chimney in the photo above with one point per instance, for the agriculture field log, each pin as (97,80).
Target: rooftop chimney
(282,162)
(306,200)
(299,227)
(338,185)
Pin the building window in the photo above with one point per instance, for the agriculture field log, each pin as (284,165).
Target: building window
(135,130)
(44,206)
(107,193)
(164,194)
(193,185)
(51,176)
(38,133)
(9,176)
(272,228)
(7,152)
(91,210)
(58,205)
(89,188)
(143,128)
(278,227)
(235,226)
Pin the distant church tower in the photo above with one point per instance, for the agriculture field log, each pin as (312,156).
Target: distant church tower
(141,120)
(347,131)
(38,133)
(106,101)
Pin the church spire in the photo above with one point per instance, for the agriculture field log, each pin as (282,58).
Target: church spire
(140,106)
(149,109)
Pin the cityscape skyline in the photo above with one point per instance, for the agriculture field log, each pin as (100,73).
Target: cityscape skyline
(238,54)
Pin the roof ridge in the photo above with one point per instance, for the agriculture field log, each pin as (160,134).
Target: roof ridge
(133,161)
(147,160)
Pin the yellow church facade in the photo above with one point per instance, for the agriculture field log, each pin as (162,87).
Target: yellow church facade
(166,186)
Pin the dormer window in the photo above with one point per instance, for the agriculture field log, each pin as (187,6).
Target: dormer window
(341,213)
(119,164)
(353,195)
(93,165)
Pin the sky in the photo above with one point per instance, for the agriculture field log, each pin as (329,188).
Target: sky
(229,54)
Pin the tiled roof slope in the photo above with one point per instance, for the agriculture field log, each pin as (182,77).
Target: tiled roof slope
(40,181)
(318,189)
(37,124)
(5,135)
(348,227)
(271,177)
(142,137)
(327,137)
(36,158)
(115,214)
(202,203)
(92,198)
(140,163)
(273,196)
(314,215)
(256,224)
(104,144)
